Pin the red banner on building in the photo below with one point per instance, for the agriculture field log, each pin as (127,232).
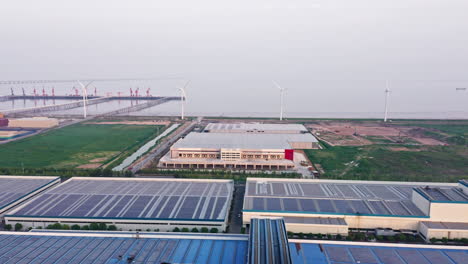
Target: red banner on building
(289,154)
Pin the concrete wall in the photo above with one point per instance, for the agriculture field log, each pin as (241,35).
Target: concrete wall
(429,233)
(449,212)
(421,202)
(359,222)
(316,229)
(125,225)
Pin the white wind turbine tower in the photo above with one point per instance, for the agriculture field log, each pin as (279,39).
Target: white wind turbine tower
(85,96)
(282,90)
(183,98)
(387,100)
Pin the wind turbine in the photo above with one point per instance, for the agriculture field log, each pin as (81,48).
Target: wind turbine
(85,96)
(282,90)
(183,98)
(387,100)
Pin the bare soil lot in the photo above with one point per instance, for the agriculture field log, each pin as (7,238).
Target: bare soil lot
(338,133)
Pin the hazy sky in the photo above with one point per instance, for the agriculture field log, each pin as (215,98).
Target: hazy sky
(314,48)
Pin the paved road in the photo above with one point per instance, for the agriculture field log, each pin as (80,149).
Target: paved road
(162,147)
(235,216)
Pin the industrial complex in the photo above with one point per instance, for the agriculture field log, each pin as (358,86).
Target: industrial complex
(334,207)
(130,204)
(240,146)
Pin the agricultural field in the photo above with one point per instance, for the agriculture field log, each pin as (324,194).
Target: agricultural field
(82,146)
(428,151)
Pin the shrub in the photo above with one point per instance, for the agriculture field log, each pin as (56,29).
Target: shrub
(18,227)
(94,226)
(204,230)
(411,238)
(390,238)
(75,227)
(65,227)
(379,238)
(39,227)
(214,230)
(194,230)
(176,229)
(290,234)
(85,227)
(400,237)
(185,229)
(8,227)
(156,230)
(444,239)
(339,237)
(103,226)
(112,228)
(243,232)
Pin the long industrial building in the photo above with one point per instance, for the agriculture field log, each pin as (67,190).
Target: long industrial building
(267,243)
(333,207)
(240,146)
(120,248)
(130,204)
(17,189)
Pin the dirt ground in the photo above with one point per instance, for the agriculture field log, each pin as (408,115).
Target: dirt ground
(89,166)
(131,123)
(358,134)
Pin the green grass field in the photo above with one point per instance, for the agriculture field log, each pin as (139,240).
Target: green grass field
(393,162)
(75,145)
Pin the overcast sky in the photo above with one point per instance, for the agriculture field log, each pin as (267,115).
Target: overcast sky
(302,44)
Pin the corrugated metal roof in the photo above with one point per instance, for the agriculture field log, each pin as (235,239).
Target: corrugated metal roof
(268,242)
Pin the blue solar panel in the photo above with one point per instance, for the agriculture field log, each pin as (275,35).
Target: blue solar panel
(136,199)
(311,253)
(15,187)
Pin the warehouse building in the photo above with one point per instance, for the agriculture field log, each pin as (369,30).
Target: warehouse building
(333,207)
(238,150)
(267,243)
(119,248)
(17,189)
(130,204)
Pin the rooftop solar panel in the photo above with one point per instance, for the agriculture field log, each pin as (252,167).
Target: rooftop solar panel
(132,199)
(312,253)
(14,188)
(78,249)
(336,197)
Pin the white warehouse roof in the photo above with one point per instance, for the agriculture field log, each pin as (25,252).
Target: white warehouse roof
(241,141)
(255,126)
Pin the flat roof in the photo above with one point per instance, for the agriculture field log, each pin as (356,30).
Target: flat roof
(256,126)
(352,253)
(132,198)
(196,140)
(13,188)
(446,225)
(332,197)
(115,248)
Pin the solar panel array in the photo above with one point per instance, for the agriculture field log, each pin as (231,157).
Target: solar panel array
(19,249)
(13,188)
(444,194)
(133,199)
(335,254)
(336,198)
